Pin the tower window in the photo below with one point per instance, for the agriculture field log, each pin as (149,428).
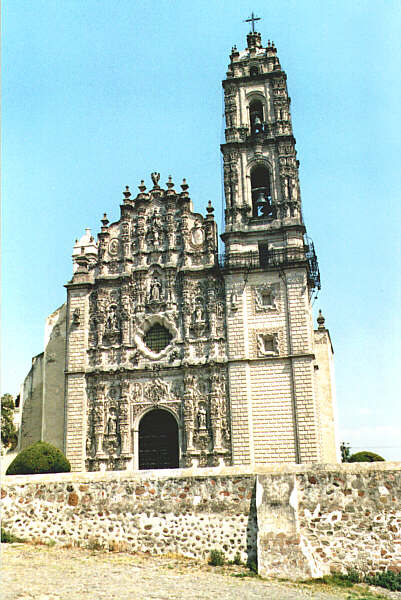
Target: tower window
(157,338)
(267,298)
(256,116)
(261,194)
(254,71)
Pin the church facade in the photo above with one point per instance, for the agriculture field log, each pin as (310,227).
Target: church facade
(168,354)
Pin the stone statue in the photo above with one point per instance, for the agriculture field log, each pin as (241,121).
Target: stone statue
(155,290)
(198,314)
(155,178)
(112,323)
(202,417)
(112,422)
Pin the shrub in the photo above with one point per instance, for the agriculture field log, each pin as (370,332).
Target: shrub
(216,558)
(365,456)
(39,458)
(385,579)
(9,538)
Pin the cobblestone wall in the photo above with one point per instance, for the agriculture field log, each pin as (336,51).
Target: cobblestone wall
(188,515)
(301,520)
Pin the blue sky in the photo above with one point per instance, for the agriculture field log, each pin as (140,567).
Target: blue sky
(97,94)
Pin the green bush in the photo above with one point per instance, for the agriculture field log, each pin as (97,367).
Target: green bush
(385,579)
(9,538)
(216,558)
(365,456)
(39,458)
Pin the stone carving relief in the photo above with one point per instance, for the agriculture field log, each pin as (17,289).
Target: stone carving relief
(267,297)
(233,297)
(206,419)
(159,297)
(157,391)
(296,278)
(269,342)
(114,247)
(108,428)
(76,317)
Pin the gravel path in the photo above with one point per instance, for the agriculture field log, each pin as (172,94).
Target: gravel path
(51,573)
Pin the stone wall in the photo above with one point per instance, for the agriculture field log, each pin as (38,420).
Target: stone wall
(32,404)
(42,394)
(184,514)
(301,520)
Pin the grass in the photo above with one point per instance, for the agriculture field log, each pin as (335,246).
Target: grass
(216,558)
(385,579)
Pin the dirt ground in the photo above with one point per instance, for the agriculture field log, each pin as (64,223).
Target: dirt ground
(51,573)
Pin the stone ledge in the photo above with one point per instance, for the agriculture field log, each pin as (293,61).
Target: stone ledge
(278,468)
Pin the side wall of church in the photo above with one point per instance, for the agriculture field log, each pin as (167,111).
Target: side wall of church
(325,383)
(31,404)
(53,378)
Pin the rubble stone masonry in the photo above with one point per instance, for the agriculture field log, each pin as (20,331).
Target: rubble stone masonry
(298,520)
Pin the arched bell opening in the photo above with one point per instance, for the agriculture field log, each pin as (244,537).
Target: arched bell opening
(158,442)
(261,192)
(256,116)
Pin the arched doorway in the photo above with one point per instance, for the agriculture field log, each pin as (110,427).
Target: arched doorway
(158,441)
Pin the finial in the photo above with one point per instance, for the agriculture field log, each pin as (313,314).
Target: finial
(170,183)
(142,187)
(321,320)
(127,193)
(184,185)
(209,208)
(105,220)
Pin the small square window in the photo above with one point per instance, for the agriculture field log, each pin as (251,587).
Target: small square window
(267,299)
(268,343)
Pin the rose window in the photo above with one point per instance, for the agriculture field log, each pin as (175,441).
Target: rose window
(157,338)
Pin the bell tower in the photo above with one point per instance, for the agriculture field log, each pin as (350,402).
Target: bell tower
(271,272)
(260,166)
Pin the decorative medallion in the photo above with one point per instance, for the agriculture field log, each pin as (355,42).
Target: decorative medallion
(114,247)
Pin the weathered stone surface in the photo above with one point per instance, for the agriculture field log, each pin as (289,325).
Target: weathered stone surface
(294,527)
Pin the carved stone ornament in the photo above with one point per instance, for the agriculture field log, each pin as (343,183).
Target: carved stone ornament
(140,332)
(267,344)
(157,391)
(197,235)
(270,342)
(233,298)
(267,297)
(114,247)
(295,278)
(76,317)
(155,178)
